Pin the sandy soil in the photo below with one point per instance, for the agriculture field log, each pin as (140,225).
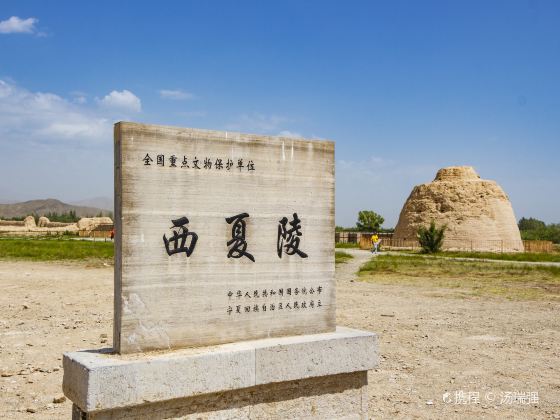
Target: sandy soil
(431,343)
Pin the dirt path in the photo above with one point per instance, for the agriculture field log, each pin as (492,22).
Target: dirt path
(346,272)
(430,343)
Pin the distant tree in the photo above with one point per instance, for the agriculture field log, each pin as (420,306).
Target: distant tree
(530,224)
(69,217)
(553,232)
(369,221)
(15,218)
(536,230)
(431,238)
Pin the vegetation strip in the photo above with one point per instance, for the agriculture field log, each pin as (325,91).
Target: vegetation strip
(54,249)
(522,258)
(465,278)
(346,245)
(342,257)
(518,256)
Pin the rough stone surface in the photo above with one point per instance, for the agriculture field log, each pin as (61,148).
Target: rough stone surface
(342,396)
(477,212)
(96,380)
(29,222)
(168,300)
(301,357)
(28,227)
(89,223)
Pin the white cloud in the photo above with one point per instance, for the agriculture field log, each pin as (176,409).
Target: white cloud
(16,25)
(124,100)
(46,118)
(176,95)
(257,122)
(78,97)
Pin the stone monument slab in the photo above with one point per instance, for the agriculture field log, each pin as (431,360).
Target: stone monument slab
(221,237)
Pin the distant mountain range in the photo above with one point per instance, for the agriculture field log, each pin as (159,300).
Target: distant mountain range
(51,205)
(105,203)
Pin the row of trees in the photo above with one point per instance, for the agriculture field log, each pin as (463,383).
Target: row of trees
(67,217)
(537,230)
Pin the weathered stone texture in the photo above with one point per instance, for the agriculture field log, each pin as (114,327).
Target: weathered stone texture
(43,227)
(477,212)
(167,301)
(90,223)
(343,396)
(29,222)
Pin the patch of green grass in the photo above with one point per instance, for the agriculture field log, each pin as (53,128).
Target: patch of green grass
(45,249)
(342,257)
(465,278)
(514,256)
(346,245)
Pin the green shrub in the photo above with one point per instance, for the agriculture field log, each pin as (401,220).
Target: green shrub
(431,238)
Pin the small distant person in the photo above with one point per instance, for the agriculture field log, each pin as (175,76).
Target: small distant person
(375,241)
(112,234)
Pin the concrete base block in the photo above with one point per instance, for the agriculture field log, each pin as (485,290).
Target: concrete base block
(312,376)
(342,396)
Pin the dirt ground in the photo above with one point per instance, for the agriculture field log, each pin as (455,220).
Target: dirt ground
(441,357)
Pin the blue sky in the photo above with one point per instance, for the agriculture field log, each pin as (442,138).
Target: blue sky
(403,87)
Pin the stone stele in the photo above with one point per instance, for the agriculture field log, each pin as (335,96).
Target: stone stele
(224,285)
(477,212)
(167,301)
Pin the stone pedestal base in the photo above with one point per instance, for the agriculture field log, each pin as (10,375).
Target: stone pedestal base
(321,376)
(342,396)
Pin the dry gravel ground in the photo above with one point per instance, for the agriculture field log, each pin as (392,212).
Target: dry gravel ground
(431,343)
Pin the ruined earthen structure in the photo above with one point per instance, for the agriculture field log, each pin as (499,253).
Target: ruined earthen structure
(84,227)
(477,212)
(88,224)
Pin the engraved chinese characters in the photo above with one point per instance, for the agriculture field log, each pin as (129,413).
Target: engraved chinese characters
(237,242)
(280,299)
(181,233)
(208,163)
(288,238)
